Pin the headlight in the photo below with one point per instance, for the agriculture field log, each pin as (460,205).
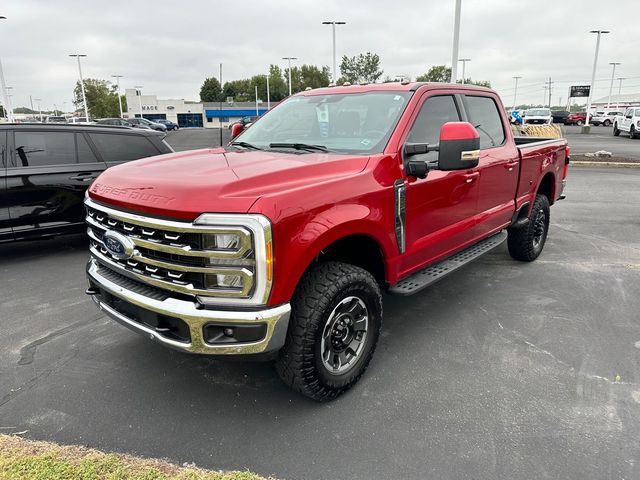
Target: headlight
(240,246)
(222,241)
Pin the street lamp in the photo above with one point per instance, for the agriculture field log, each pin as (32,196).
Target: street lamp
(456,41)
(3,87)
(289,59)
(84,97)
(38,100)
(464,66)
(515,93)
(335,69)
(8,105)
(118,77)
(620,84)
(139,93)
(613,75)
(586,128)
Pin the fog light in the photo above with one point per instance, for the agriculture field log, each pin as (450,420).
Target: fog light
(228,332)
(226,281)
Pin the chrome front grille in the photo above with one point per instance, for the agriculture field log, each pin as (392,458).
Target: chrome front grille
(170,255)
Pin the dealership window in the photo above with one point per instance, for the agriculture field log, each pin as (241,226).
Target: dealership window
(35,149)
(224,119)
(209,119)
(122,148)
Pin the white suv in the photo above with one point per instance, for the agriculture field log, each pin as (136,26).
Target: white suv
(538,115)
(604,118)
(629,122)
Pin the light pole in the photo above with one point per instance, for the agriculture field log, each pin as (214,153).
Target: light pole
(335,69)
(3,87)
(257,114)
(515,93)
(613,75)
(464,66)
(620,84)
(586,128)
(8,105)
(456,41)
(139,93)
(268,101)
(544,101)
(289,59)
(118,77)
(84,97)
(38,100)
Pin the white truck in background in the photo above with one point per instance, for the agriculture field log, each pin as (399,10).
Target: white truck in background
(629,123)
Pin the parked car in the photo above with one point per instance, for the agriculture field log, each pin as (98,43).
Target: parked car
(55,119)
(46,169)
(116,122)
(559,116)
(537,115)
(629,122)
(576,118)
(143,122)
(282,243)
(245,122)
(169,124)
(604,118)
(81,120)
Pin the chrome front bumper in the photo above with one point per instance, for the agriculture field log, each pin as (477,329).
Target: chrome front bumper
(276,319)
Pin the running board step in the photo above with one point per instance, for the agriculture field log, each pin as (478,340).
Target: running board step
(433,273)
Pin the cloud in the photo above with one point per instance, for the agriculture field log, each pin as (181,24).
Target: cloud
(169,47)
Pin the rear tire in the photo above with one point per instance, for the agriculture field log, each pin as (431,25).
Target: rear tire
(526,243)
(606,123)
(335,324)
(616,132)
(579,123)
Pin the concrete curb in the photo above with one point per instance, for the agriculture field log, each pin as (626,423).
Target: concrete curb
(582,163)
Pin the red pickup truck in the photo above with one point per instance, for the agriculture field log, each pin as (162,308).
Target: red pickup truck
(281,243)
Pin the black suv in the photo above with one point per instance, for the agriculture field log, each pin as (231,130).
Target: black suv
(45,170)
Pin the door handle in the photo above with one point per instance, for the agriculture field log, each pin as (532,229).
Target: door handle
(470,177)
(83,177)
(509,165)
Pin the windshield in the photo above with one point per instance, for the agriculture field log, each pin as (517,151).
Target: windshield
(538,112)
(348,123)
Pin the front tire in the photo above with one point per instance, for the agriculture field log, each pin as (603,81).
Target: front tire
(616,132)
(526,243)
(334,327)
(632,132)
(579,123)
(607,123)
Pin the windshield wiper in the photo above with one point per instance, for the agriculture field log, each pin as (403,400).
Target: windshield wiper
(245,145)
(299,146)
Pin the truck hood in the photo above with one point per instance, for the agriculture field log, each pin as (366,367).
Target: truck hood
(187,184)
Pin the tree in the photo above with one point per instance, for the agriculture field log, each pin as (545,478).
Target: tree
(211,91)
(102,97)
(278,88)
(437,73)
(361,68)
(442,74)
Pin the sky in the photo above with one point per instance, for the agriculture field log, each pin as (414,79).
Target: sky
(169,47)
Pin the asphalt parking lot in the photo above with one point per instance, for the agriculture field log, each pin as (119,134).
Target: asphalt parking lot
(501,370)
(601,138)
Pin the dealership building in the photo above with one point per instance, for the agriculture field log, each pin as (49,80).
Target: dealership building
(188,114)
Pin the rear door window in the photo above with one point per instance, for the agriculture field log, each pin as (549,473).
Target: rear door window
(36,149)
(122,148)
(483,113)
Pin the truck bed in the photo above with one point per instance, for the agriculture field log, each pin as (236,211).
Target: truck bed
(540,158)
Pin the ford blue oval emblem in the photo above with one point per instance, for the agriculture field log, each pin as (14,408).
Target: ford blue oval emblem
(118,245)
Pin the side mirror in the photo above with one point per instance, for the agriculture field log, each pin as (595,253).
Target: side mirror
(236,129)
(459,146)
